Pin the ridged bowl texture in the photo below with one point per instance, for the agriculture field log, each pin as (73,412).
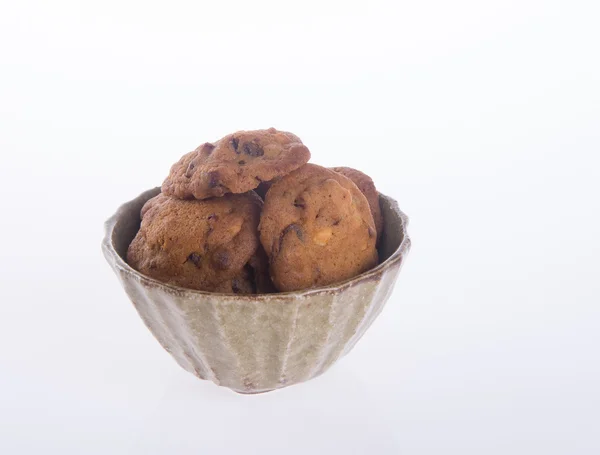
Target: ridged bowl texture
(257,343)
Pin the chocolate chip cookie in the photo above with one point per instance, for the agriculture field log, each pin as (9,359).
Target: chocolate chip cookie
(237,163)
(317,229)
(367,187)
(204,245)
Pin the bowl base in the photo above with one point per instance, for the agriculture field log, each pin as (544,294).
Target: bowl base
(254,393)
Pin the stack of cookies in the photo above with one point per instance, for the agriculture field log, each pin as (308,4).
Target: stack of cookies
(247,214)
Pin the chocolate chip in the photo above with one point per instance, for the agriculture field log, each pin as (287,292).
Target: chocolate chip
(297,229)
(213,179)
(299,203)
(234,143)
(253,149)
(336,222)
(222,260)
(277,245)
(190,169)
(195,258)
(241,162)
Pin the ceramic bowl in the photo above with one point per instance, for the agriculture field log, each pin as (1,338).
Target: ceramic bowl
(257,343)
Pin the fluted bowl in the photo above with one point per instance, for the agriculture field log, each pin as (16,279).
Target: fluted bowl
(257,343)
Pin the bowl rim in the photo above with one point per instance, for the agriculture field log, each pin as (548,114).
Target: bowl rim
(118,263)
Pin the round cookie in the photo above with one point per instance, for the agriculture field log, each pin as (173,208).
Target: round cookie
(367,187)
(317,229)
(202,245)
(237,163)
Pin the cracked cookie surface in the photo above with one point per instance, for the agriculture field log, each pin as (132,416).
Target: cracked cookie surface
(317,229)
(237,163)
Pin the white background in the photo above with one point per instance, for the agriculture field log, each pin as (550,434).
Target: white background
(481,117)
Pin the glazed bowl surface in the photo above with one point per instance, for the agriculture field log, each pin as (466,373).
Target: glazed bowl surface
(257,343)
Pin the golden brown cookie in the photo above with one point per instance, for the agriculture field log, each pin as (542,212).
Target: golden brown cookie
(237,163)
(367,187)
(203,245)
(317,229)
